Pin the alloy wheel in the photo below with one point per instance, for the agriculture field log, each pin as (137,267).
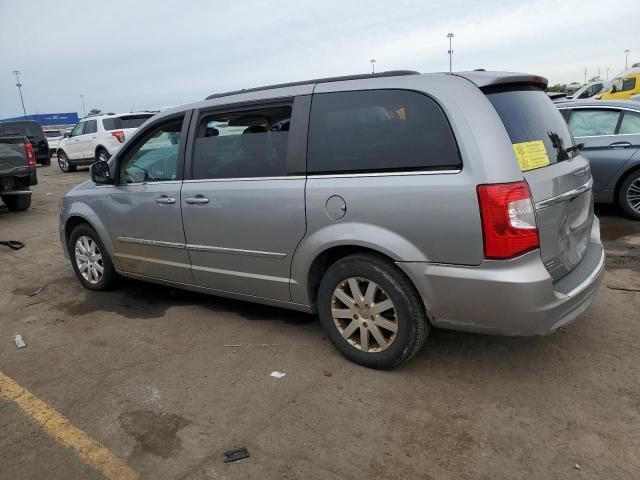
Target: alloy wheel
(633,195)
(89,259)
(364,314)
(63,162)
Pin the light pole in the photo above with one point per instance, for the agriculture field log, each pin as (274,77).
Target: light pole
(83,109)
(19,85)
(373,66)
(626,59)
(450,36)
(607,73)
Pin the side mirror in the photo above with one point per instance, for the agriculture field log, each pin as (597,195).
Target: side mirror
(100,173)
(66,134)
(613,89)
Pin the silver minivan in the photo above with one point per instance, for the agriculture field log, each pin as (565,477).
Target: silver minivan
(386,203)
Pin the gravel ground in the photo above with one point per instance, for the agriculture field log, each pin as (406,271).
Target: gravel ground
(146,371)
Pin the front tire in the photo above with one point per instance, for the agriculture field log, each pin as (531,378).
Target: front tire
(90,259)
(629,195)
(63,162)
(371,312)
(17,203)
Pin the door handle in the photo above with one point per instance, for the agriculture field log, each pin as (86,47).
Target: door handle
(165,200)
(197,200)
(620,145)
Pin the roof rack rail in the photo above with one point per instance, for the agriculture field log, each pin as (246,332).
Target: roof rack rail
(390,73)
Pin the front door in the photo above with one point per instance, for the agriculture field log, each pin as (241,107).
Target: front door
(607,144)
(73,147)
(143,208)
(243,206)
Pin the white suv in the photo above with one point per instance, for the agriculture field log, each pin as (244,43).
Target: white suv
(97,138)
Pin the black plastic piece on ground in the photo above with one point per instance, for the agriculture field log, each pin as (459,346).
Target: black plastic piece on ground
(14,244)
(236,454)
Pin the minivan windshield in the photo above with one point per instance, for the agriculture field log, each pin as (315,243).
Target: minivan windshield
(530,117)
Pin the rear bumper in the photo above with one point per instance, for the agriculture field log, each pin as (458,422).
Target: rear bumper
(512,297)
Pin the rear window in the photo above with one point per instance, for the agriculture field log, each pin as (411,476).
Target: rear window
(530,117)
(378,131)
(128,121)
(28,129)
(53,133)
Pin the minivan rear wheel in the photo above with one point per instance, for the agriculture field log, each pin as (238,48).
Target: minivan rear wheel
(371,312)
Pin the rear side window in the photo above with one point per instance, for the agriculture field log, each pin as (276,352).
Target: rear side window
(530,117)
(589,123)
(379,131)
(630,124)
(240,144)
(126,121)
(92,127)
(628,84)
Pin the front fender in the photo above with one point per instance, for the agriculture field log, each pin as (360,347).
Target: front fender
(352,234)
(89,212)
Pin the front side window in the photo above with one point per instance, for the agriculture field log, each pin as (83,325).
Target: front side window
(628,84)
(630,124)
(78,129)
(92,127)
(589,123)
(241,144)
(379,131)
(155,157)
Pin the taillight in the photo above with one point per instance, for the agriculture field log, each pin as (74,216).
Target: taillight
(31,158)
(508,219)
(119,134)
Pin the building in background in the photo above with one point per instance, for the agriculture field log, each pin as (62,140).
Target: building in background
(50,120)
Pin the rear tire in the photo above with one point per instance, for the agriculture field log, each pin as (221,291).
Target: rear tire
(629,195)
(46,163)
(63,162)
(381,329)
(102,155)
(17,203)
(88,256)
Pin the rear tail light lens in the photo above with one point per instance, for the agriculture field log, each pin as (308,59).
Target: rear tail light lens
(119,134)
(31,158)
(508,220)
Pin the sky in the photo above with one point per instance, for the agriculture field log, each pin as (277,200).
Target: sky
(140,54)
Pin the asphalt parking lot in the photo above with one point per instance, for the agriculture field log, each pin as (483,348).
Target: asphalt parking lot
(168,380)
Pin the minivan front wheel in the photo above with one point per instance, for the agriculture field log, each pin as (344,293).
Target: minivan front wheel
(371,311)
(89,258)
(629,195)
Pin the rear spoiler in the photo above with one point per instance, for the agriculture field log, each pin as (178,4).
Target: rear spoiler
(502,79)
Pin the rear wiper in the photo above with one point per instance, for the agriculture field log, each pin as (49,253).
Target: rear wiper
(574,148)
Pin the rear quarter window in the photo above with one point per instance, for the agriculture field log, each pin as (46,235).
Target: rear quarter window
(379,131)
(529,115)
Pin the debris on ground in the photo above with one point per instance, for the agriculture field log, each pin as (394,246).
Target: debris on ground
(20,343)
(275,374)
(37,291)
(577,466)
(236,454)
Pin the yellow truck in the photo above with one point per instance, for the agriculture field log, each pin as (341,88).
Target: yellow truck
(623,88)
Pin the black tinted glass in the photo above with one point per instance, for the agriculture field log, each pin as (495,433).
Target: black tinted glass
(249,143)
(377,131)
(529,115)
(28,129)
(92,127)
(129,121)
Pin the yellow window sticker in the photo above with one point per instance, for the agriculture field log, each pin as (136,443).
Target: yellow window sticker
(531,155)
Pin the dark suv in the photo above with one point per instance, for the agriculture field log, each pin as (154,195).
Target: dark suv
(33,131)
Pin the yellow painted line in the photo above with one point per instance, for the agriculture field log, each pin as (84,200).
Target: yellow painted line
(63,432)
